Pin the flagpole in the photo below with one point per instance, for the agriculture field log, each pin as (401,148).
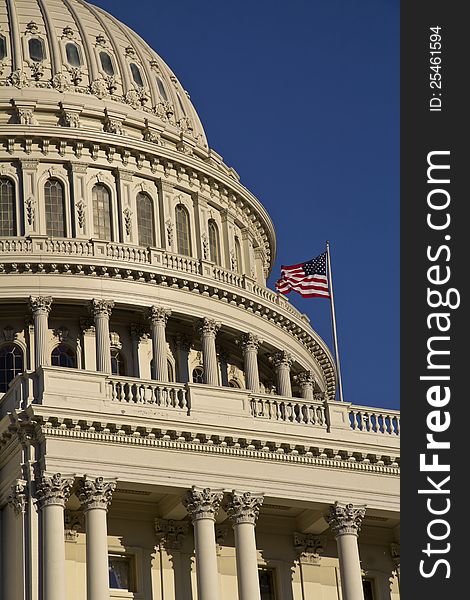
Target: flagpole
(333,321)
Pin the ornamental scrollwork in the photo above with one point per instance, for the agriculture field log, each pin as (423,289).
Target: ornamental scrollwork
(345,518)
(208,327)
(53,490)
(243,507)
(40,304)
(309,547)
(158,314)
(249,342)
(95,493)
(101,307)
(306,379)
(170,534)
(202,503)
(17,497)
(281,359)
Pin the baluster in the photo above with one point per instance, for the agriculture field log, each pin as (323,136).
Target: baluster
(113,391)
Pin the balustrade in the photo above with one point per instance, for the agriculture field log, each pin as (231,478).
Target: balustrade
(138,391)
(363,418)
(289,410)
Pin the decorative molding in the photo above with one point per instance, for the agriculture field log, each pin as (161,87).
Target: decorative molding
(17,497)
(61,333)
(74,523)
(243,507)
(40,305)
(100,307)
(158,315)
(170,534)
(345,519)
(202,503)
(208,327)
(128,220)
(249,342)
(96,493)
(281,359)
(305,379)
(53,490)
(309,547)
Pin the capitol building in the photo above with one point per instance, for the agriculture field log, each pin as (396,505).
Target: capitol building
(168,423)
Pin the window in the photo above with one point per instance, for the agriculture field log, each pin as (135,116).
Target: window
(54,204)
(7,207)
(11,364)
(36,49)
(161,89)
(121,572)
(136,75)
(214,246)
(198,375)
(145,220)
(171,372)
(64,356)
(106,63)
(266,584)
(101,212)
(233,383)
(183,240)
(118,363)
(238,256)
(368,587)
(3,47)
(73,55)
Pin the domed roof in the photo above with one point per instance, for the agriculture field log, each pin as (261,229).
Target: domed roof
(69,51)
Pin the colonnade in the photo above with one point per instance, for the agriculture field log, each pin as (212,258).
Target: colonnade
(202,504)
(157,317)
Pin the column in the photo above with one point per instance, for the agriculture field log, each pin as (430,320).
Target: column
(202,506)
(243,510)
(223,366)
(12,556)
(208,329)
(345,522)
(306,380)
(250,344)
(282,362)
(95,496)
(101,311)
(52,492)
(40,307)
(184,346)
(158,317)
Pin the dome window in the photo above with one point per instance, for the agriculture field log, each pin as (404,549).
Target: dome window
(183,232)
(3,47)
(101,212)
(73,55)
(214,244)
(54,205)
(118,363)
(145,220)
(161,89)
(107,63)
(238,256)
(11,365)
(136,75)
(36,50)
(64,356)
(7,207)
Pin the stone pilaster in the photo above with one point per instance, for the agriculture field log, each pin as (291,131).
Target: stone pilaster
(249,344)
(282,362)
(40,307)
(158,318)
(208,329)
(101,311)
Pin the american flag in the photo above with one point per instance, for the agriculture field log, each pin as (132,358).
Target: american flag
(309,279)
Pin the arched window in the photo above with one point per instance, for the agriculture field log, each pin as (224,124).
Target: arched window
(101,212)
(106,63)
(73,55)
(233,383)
(11,364)
(183,235)
(137,75)
(214,244)
(198,375)
(145,220)
(36,49)
(238,256)
(161,89)
(54,205)
(7,207)
(64,356)
(118,362)
(171,372)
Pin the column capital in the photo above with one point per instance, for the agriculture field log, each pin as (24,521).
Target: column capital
(249,341)
(96,493)
(53,490)
(170,534)
(17,497)
(208,326)
(309,547)
(345,519)
(243,507)
(158,314)
(100,307)
(40,305)
(202,503)
(183,342)
(395,554)
(305,378)
(281,359)
(139,332)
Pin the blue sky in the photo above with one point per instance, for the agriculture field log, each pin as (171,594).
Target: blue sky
(302,99)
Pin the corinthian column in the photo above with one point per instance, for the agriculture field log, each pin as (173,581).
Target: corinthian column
(345,522)
(282,362)
(40,307)
(158,318)
(250,344)
(184,346)
(52,493)
(101,311)
(306,381)
(203,506)
(95,496)
(243,510)
(208,329)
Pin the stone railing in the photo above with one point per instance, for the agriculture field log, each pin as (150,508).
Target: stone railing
(289,410)
(138,391)
(375,420)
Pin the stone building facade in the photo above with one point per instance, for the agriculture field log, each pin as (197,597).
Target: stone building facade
(168,424)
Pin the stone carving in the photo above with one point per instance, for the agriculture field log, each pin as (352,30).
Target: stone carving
(69,118)
(185,124)
(139,332)
(208,326)
(128,220)
(19,79)
(170,534)
(96,493)
(112,124)
(76,75)
(74,523)
(150,135)
(101,40)
(25,116)
(132,98)
(169,231)
(67,32)
(81,206)
(183,343)
(345,518)
(158,314)
(32,27)
(61,333)
(243,507)
(37,70)
(52,490)
(99,88)
(115,340)
(309,547)
(205,246)
(249,341)
(60,82)
(17,497)
(281,359)
(395,554)
(101,307)
(9,333)
(202,503)
(40,304)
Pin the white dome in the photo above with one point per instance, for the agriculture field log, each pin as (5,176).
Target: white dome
(71,52)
